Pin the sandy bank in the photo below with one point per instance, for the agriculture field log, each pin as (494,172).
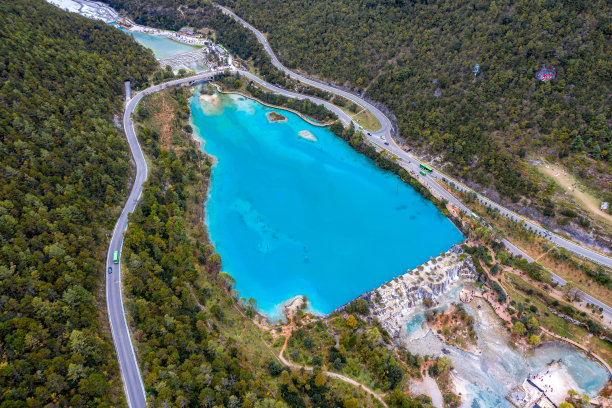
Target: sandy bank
(555,381)
(212,99)
(429,387)
(305,134)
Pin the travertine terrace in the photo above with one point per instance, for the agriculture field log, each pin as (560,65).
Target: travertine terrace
(391,302)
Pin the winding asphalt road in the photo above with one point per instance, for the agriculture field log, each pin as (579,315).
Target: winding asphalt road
(383,140)
(385,122)
(130,373)
(385,132)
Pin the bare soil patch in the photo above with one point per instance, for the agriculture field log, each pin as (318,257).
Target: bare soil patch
(574,189)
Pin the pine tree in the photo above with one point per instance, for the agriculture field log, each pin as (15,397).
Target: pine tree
(577,144)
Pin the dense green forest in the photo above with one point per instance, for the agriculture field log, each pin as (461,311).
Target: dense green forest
(64,168)
(417,57)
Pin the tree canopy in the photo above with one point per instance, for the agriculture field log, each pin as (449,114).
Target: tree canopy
(64,168)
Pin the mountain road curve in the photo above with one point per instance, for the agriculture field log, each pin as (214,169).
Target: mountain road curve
(130,372)
(384,140)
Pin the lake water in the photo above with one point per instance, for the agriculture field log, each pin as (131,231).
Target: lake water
(161,46)
(307,215)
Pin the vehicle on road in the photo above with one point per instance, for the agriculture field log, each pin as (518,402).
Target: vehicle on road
(110,269)
(425,167)
(116,257)
(423,172)
(369,134)
(387,143)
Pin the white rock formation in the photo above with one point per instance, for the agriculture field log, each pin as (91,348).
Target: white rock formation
(391,303)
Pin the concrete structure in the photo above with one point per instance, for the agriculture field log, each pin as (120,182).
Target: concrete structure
(545,74)
(529,396)
(128,91)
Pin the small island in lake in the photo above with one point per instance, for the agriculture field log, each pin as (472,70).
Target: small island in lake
(276,117)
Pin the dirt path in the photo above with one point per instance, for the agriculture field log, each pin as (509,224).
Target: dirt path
(573,189)
(330,374)
(558,294)
(543,254)
(500,309)
(286,331)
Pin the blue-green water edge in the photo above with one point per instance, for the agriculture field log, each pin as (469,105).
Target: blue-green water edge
(161,46)
(292,216)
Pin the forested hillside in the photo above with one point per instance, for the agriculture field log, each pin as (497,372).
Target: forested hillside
(63,168)
(417,57)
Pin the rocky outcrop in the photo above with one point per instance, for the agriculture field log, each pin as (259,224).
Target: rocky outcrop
(391,303)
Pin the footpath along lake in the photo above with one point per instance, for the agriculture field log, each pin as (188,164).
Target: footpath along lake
(294,210)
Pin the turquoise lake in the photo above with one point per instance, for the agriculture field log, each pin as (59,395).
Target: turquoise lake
(293,216)
(161,46)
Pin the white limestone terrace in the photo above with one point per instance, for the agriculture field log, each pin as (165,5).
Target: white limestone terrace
(392,302)
(176,36)
(187,60)
(91,9)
